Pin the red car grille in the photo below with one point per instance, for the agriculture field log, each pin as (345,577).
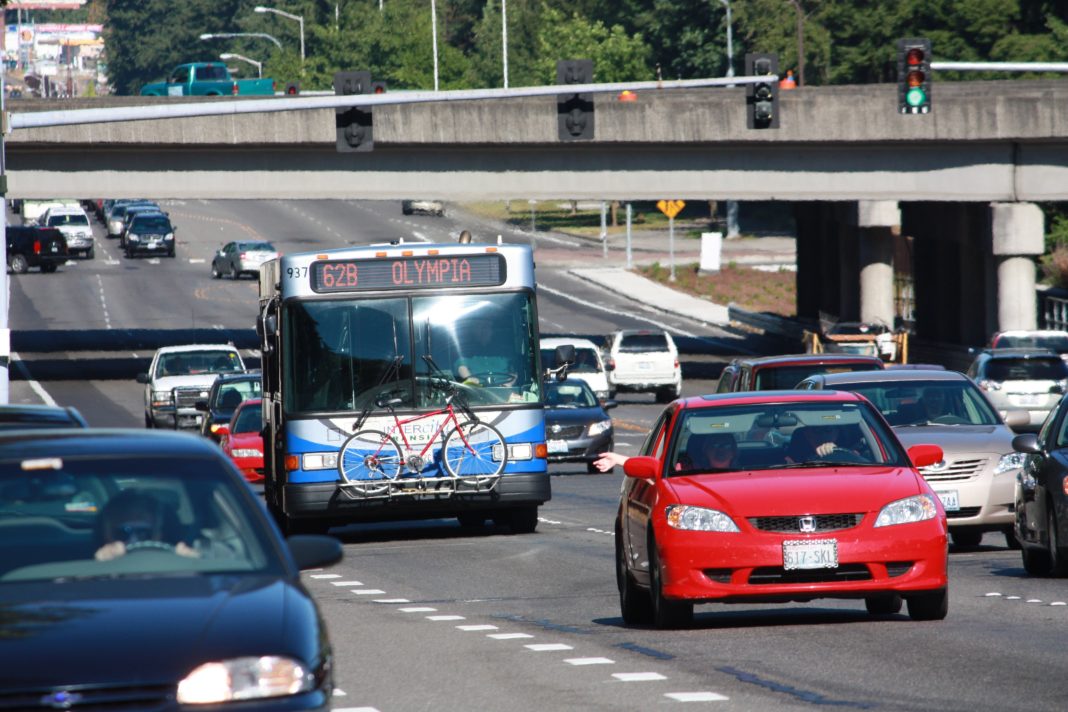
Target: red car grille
(792,524)
(779,575)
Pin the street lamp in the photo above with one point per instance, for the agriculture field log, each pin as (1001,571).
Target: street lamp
(291,16)
(243,58)
(229,35)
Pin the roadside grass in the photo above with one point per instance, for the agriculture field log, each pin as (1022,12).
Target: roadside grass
(752,289)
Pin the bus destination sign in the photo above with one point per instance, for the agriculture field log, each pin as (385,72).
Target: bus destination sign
(419,272)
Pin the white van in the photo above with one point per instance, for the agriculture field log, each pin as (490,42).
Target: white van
(588,366)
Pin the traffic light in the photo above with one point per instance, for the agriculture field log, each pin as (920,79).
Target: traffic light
(378,87)
(574,112)
(292,88)
(355,125)
(762,98)
(914,76)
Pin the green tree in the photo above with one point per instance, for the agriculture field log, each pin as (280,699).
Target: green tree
(617,57)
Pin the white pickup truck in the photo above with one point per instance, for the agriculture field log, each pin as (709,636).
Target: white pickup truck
(179,377)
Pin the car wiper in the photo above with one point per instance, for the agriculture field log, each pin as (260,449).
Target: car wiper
(818,463)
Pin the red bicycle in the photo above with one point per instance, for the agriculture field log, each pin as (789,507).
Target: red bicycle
(473,452)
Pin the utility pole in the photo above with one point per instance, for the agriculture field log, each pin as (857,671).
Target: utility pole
(5,332)
(800,42)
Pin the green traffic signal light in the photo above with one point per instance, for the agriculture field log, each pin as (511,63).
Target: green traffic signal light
(916,96)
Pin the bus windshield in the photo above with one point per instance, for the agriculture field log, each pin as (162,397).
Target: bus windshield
(341,355)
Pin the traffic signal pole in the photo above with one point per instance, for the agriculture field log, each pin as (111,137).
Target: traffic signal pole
(5,331)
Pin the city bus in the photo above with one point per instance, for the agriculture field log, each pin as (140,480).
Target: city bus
(402,381)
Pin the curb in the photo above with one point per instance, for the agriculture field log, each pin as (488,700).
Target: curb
(646,291)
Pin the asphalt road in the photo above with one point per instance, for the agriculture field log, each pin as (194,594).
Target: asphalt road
(428,615)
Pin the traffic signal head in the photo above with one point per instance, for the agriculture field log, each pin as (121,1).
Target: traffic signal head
(355,125)
(378,87)
(914,76)
(762,98)
(292,88)
(574,112)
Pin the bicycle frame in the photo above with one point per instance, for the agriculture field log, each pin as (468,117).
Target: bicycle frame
(398,425)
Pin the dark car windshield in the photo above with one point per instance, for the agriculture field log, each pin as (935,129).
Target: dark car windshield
(16,420)
(255,247)
(114,515)
(249,420)
(1053,342)
(569,394)
(641,343)
(781,378)
(1026,369)
(67,219)
(229,393)
(780,436)
(151,223)
(927,402)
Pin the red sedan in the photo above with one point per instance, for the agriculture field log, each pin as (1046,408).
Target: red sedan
(767,497)
(241,439)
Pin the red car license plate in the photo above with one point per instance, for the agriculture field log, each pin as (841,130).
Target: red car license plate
(810,554)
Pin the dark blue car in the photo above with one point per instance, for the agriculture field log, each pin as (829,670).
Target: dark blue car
(139,571)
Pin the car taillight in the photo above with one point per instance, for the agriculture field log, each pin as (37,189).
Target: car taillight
(36,247)
(234,89)
(988,385)
(611,364)
(676,363)
(243,255)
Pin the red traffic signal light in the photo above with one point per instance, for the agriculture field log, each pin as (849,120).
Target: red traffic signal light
(292,89)
(378,87)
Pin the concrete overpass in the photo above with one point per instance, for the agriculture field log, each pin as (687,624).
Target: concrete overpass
(984,141)
(861,176)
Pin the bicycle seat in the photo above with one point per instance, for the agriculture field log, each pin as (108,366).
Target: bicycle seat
(383,402)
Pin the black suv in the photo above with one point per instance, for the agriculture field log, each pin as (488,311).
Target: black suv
(31,246)
(148,232)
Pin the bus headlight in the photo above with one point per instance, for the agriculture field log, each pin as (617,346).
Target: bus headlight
(319,461)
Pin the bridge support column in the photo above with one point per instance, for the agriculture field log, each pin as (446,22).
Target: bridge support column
(1017,236)
(878,222)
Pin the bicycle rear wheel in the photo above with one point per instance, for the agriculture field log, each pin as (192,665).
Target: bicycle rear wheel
(474,450)
(369,455)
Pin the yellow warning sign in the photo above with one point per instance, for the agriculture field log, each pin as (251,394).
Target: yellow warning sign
(671,208)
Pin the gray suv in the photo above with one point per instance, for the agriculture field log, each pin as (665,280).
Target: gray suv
(977,477)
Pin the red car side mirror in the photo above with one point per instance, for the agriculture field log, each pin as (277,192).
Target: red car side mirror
(924,455)
(641,466)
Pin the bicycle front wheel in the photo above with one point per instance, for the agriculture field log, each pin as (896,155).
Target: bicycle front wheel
(369,455)
(474,450)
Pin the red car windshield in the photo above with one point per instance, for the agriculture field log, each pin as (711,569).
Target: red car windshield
(782,435)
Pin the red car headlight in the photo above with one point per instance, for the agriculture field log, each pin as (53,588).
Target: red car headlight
(682,516)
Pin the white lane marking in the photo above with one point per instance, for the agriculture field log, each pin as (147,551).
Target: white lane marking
(476,627)
(326,576)
(421,236)
(417,609)
(615,312)
(595,530)
(692,697)
(548,521)
(1012,598)
(392,600)
(590,661)
(1058,603)
(103,302)
(509,636)
(993,593)
(1034,600)
(446,618)
(35,386)
(638,676)
(356,709)
(197,260)
(547,647)
(339,693)
(368,591)
(346,583)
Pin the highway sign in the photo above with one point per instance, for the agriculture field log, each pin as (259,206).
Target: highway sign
(671,208)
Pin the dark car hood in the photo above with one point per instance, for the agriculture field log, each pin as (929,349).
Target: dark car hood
(148,631)
(574,416)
